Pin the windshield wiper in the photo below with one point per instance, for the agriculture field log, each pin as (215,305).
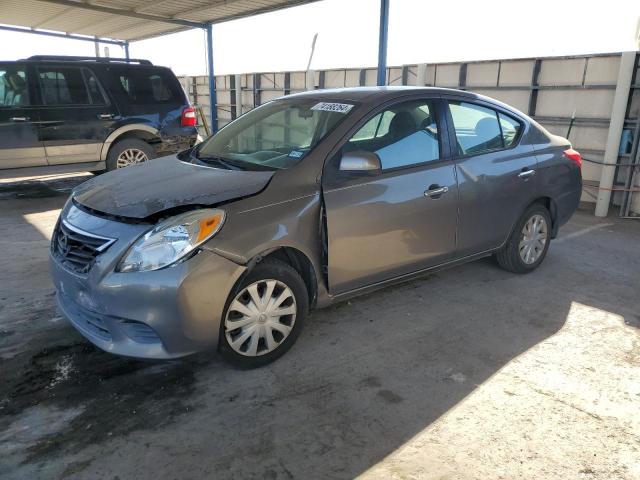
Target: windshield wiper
(211,159)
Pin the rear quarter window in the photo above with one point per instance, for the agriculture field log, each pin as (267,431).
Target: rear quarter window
(480,129)
(147,86)
(510,129)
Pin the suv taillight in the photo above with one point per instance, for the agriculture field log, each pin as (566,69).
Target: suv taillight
(188,118)
(573,155)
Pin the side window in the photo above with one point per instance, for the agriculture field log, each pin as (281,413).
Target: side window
(161,92)
(477,129)
(13,86)
(403,135)
(96,93)
(63,86)
(510,129)
(377,127)
(141,85)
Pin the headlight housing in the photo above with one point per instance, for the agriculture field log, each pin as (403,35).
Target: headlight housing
(171,240)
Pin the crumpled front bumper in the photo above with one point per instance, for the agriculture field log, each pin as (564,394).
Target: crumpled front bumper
(160,314)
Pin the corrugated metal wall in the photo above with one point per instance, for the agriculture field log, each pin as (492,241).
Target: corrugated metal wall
(552,90)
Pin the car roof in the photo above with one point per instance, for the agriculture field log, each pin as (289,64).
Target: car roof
(361,94)
(381,94)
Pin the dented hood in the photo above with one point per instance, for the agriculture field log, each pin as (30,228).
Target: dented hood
(143,190)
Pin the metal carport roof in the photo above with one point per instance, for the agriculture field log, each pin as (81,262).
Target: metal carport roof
(130,20)
(123,21)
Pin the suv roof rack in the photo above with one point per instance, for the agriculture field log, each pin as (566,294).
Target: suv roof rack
(64,58)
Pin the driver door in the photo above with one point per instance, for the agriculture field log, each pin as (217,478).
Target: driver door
(20,135)
(401,219)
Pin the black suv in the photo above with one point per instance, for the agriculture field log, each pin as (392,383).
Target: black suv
(63,114)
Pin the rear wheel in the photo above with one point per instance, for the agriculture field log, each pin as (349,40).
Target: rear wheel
(264,315)
(528,243)
(129,152)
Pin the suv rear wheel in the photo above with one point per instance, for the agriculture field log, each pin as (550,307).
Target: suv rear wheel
(129,152)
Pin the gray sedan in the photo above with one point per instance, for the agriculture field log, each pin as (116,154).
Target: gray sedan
(303,202)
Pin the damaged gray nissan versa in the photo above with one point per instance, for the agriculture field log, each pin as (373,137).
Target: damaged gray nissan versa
(302,202)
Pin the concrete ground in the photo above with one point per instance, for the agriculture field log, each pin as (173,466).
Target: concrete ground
(468,373)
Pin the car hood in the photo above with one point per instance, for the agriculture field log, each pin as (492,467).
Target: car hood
(143,190)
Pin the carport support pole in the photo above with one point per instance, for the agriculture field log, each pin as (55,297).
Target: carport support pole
(382,42)
(213,104)
(126,50)
(618,112)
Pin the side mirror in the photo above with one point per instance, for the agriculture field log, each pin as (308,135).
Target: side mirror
(362,162)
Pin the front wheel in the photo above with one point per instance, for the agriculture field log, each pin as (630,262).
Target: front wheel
(528,243)
(264,315)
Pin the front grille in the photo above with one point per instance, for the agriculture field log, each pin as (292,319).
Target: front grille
(77,250)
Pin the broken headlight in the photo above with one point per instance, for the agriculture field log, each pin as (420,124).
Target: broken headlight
(171,240)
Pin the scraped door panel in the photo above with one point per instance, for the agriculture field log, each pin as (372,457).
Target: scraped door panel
(20,142)
(20,145)
(387,226)
(496,175)
(76,117)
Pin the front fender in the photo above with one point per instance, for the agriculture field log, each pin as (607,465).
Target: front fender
(124,129)
(249,234)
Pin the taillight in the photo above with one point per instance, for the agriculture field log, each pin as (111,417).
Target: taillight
(188,118)
(573,155)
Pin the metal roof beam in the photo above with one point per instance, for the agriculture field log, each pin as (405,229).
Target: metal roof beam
(92,24)
(52,17)
(150,6)
(255,11)
(62,35)
(122,32)
(206,6)
(125,13)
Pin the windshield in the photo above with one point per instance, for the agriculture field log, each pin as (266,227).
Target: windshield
(276,135)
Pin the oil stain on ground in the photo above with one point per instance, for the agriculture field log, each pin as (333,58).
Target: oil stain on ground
(116,395)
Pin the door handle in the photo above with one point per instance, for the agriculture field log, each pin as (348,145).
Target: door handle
(20,119)
(436,191)
(524,174)
(105,116)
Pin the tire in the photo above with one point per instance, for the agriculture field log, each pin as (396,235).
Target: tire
(244,349)
(140,150)
(512,255)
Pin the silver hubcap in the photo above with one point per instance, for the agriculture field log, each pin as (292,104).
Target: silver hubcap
(533,240)
(260,317)
(131,156)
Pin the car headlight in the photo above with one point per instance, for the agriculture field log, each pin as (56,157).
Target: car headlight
(172,239)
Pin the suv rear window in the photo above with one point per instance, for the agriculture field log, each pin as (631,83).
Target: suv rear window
(141,85)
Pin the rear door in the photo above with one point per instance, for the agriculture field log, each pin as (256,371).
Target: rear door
(394,223)
(496,175)
(76,115)
(20,144)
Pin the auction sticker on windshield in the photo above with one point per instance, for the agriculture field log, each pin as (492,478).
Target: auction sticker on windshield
(333,107)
